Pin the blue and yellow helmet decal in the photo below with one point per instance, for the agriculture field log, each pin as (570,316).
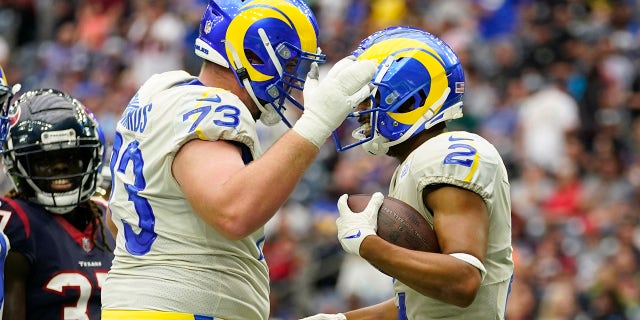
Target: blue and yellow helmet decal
(281,14)
(269,43)
(3,79)
(423,60)
(6,93)
(419,78)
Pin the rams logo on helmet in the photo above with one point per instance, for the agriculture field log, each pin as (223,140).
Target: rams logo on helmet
(419,83)
(268,44)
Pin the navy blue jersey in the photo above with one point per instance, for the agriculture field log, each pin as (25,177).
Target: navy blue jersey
(66,269)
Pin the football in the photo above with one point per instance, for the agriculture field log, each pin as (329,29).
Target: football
(399,223)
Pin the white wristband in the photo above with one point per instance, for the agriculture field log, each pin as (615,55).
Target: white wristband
(472,261)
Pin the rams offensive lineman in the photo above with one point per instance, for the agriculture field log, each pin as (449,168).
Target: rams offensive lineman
(192,188)
(456,179)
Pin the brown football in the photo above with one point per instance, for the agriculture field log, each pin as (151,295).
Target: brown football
(399,223)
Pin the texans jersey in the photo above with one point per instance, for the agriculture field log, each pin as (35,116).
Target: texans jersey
(167,258)
(467,161)
(66,270)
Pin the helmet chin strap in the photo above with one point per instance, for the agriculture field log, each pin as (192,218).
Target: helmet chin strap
(379,145)
(268,114)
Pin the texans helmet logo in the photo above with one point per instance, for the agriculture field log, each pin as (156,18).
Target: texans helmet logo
(14,116)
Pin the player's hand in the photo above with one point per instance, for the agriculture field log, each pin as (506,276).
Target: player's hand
(353,227)
(328,102)
(326,316)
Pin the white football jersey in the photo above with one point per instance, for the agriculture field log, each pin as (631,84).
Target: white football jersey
(167,258)
(468,161)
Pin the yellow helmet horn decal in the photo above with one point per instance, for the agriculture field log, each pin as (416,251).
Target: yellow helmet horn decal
(264,9)
(424,54)
(3,78)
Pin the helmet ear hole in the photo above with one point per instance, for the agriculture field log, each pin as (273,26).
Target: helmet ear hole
(252,57)
(408,105)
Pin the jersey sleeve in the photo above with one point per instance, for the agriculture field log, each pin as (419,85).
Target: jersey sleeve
(214,114)
(18,228)
(461,159)
(173,108)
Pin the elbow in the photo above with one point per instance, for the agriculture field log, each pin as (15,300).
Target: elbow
(231,229)
(231,224)
(234,220)
(464,299)
(465,293)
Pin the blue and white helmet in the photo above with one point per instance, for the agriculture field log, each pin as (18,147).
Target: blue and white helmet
(268,44)
(6,94)
(419,83)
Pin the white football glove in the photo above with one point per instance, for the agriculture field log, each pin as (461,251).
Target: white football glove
(353,227)
(328,102)
(326,316)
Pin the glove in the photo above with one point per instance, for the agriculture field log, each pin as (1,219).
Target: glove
(325,316)
(328,102)
(353,227)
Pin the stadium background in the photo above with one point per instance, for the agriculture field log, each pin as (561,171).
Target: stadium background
(555,85)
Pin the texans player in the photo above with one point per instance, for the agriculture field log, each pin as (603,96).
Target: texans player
(60,252)
(455,179)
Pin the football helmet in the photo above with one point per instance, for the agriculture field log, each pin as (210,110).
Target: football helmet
(6,94)
(268,44)
(54,149)
(419,83)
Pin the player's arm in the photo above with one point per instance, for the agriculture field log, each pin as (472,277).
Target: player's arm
(233,198)
(113,229)
(111,226)
(236,199)
(385,310)
(15,286)
(461,222)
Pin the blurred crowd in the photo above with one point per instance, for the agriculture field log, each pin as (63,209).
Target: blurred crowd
(553,84)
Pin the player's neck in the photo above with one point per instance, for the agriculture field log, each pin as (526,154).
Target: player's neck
(213,75)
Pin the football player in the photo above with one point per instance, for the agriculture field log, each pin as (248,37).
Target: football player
(456,179)
(60,252)
(6,94)
(192,188)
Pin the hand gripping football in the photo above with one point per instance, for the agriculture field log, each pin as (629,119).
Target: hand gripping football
(399,223)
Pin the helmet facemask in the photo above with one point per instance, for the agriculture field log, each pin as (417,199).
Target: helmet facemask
(59,179)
